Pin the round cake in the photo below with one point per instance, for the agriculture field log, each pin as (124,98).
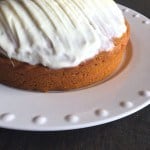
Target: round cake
(60,44)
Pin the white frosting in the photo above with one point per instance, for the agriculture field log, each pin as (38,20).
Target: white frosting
(58,33)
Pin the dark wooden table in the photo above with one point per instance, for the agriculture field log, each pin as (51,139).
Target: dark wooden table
(131,133)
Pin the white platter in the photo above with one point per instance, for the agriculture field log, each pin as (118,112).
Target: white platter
(123,94)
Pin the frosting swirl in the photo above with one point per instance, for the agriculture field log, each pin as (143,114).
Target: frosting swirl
(58,33)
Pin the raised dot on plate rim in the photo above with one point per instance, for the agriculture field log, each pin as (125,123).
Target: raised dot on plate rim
(126,104)
(7,117)
(145,93)
(101,112)
(72,118)
(40,120)
(136,15)
(146,22)
(125,10)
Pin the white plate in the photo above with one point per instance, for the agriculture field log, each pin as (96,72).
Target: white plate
(123,94)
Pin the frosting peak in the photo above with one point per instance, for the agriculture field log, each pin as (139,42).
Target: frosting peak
(58,33)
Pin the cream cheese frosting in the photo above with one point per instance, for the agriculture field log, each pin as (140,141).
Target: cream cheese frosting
(58,33)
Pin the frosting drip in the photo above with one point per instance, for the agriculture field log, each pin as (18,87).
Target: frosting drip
(58,33)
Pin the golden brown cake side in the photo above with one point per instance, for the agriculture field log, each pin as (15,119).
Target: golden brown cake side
(22,75)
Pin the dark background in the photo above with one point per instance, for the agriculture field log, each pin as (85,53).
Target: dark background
(130,133)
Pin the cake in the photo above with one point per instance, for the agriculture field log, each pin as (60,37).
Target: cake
(60,44)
